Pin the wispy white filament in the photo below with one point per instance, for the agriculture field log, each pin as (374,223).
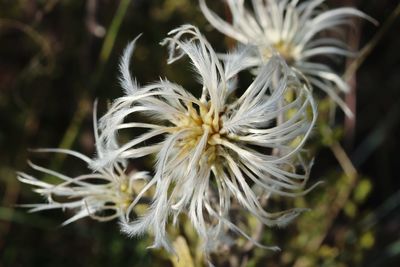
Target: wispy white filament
(212,151)
(102,195)
(292,28)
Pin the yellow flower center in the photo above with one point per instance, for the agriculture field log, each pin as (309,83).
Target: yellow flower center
(200,121)
(125,195)
(285,50)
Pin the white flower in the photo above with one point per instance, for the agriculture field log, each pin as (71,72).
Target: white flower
(293,30)
(104,195)
(212,151)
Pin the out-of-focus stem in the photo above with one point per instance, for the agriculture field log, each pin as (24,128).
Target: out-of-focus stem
(72,131)
(341,198)
(344,160)
(112,31)
(83,106)
(368,48)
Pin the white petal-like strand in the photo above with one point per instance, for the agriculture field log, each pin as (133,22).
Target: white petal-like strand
(211,151)
(103,195)
(292,29)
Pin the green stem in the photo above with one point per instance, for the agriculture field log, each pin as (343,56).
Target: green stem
(83,106)
(112,32)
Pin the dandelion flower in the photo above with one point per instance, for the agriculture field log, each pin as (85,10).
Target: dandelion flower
(215,150)
(293,30)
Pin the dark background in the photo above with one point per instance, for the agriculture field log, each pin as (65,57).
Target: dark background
(55,61)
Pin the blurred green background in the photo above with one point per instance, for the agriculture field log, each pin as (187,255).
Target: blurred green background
(58,56)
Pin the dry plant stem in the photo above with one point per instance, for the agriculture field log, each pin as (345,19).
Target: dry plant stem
(343,195)
(234,261)
(344,161)
(349,75)
(183,257)
(368,48)
(337,149)
(341,198)
(350,122)
(351,96)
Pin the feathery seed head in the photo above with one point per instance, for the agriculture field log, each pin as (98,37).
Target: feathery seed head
(103,195)
(292,29)
(106,194)
(214,151)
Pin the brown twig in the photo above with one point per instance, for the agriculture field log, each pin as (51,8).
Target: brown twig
(351,97)
(340,200)
(368,48)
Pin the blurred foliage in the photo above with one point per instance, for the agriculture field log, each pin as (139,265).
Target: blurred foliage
(57,56)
